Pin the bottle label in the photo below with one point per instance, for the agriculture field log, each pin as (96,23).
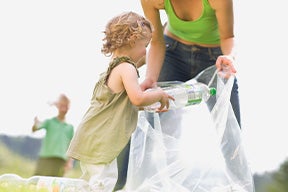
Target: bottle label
(180,96)
(184,94)
(194,95)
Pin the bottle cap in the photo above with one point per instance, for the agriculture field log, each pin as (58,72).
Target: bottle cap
(212,91)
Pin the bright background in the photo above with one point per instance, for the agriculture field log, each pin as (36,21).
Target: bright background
(50,47)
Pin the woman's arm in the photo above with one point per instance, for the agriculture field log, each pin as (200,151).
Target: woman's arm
(156,52)
(225,17)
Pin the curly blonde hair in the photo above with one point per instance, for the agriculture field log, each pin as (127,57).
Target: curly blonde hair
(123,30)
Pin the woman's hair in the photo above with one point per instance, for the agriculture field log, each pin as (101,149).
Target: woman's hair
(124,29)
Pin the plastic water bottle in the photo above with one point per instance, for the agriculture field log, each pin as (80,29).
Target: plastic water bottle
(59,184)
(185,94)
(15,183)
(12,182)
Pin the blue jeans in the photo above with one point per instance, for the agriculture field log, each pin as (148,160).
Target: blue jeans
(184,62)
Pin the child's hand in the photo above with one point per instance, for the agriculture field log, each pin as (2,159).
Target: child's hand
(165,102)
(36,120)
(68,165)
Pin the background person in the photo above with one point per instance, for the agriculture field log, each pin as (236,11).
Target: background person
(52,159)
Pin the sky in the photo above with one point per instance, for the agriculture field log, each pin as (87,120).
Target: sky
(52,47)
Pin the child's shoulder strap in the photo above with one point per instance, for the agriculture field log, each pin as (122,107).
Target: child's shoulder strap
(118,60)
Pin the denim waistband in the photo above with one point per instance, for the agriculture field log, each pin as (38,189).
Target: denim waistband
(172,42)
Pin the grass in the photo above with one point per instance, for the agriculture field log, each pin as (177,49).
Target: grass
(15,164)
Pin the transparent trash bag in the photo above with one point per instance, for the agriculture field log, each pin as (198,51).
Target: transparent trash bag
(193,149)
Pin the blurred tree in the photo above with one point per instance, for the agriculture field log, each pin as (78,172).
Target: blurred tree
(280,178)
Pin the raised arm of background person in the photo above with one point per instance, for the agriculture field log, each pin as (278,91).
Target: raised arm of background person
(35,125)
(156,52)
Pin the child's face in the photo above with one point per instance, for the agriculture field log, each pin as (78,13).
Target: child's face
(140,49)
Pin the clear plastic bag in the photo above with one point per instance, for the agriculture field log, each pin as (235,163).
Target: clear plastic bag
(192,149)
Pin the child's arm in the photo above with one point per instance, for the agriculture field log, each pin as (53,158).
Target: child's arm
(124,76)
(69,164)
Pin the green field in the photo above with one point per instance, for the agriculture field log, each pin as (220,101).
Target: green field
(13,163)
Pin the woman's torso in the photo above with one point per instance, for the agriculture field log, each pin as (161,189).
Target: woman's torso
(194,18)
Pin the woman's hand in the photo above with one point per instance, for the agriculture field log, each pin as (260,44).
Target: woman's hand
(225,66)
(147,83)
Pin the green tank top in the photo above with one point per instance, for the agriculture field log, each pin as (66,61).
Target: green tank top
(204,30)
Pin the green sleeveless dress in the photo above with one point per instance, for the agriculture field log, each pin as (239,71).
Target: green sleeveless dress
(107,125)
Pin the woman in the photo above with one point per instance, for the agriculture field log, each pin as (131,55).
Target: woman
(198,34)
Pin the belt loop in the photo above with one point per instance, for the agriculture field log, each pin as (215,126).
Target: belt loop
(210,52)
(194,48)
